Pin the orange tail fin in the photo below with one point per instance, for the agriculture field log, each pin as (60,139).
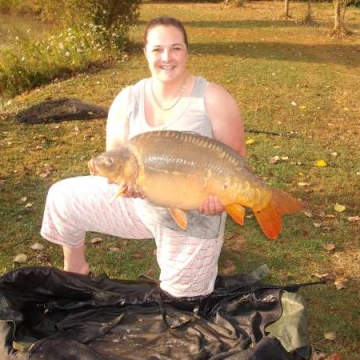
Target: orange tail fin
(280,204)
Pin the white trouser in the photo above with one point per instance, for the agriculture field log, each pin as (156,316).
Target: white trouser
(73,206)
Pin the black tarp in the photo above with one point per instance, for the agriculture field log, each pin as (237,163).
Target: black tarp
(49,314)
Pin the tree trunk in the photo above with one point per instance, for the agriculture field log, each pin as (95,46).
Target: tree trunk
(286,8)
(337,18)
(308,17)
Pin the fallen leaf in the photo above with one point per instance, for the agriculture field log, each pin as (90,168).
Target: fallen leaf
(37,246)
(44,175)
(303,184)
(317,225)
(330,335)
(340,283)
(274,159)
(229,267)
(96,240)
(114,249)
(325,277)
(318,355)
(321,163)
(29,206)
(353,218)
(249,141)
(43,258)
(138,255)
(20,259)
(339,208)
(329,247)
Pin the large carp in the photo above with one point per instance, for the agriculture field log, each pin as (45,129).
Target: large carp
(179,170)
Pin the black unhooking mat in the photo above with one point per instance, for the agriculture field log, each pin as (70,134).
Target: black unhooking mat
(49,314)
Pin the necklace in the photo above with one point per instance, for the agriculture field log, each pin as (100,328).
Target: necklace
(175,102)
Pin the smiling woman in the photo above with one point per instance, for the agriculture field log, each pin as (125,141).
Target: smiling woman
(171,99)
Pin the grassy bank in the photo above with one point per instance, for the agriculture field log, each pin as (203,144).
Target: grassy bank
(289,79)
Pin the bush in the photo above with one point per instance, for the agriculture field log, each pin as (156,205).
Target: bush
(110,18)
(98,32)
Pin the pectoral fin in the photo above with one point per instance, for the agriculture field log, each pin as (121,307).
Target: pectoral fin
(237,212)
(122,189)
(180,217)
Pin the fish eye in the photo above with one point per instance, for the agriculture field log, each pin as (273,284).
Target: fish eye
(108,162)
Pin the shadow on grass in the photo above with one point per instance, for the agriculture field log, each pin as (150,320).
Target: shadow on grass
(347,55)
(337,54)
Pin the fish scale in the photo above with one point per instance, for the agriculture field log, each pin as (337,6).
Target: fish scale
(180,170)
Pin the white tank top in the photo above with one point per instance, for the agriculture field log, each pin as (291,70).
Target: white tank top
(193,118)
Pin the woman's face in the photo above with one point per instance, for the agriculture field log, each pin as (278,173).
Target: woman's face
(166,53)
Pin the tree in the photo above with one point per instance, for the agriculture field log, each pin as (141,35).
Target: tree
(339,17)
(286,8)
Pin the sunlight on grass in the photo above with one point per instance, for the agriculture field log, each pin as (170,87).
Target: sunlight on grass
(297,88)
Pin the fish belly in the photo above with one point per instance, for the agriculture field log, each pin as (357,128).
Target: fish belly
(181,170)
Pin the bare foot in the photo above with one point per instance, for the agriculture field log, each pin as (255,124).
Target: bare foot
(84,269)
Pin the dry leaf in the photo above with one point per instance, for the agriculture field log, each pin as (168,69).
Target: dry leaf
(138,255)
(330,335)
(96,240)
(317,225)
(303,184)
(114,249)
(229,267)
(37,246)
(340,283)
(44,174)
(329,247)
(151,272)
(353,218)
(249,141)
(321,163)
(325,277)
(318,355)
(29,206)
(20,259)
(339,208)
(274,159)
(43,258)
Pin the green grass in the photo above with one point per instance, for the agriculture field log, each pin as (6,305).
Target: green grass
(287,78)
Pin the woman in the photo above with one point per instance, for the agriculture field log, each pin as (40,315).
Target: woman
(173,99)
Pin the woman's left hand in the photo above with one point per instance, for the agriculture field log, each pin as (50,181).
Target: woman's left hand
(211,206)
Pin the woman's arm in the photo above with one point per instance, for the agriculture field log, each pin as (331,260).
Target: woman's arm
(117,126)
(225,117)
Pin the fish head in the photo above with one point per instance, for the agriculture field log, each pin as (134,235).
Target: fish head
(118,166)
